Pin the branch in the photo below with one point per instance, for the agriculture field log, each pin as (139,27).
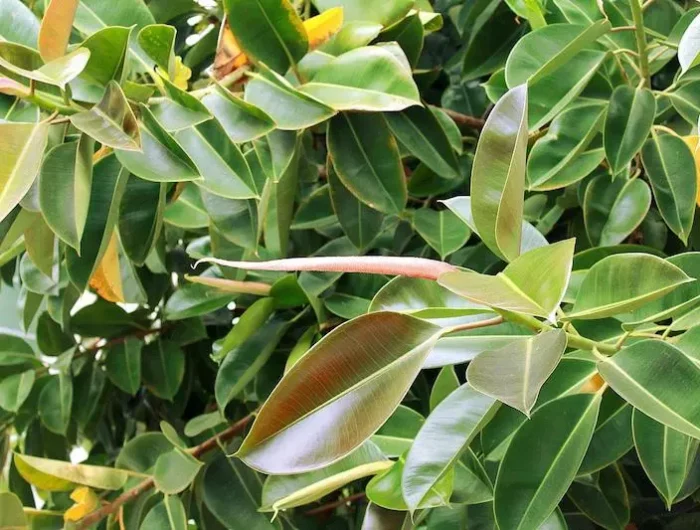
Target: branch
(638,18)
(462,120)
(128,496)
(475,325)
(413,267)
(232,286)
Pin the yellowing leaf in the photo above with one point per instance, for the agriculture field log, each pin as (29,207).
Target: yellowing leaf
(86,501)
(320,28)
(692,142)
(56,27)
(230,57)
(182,74)
(107,280)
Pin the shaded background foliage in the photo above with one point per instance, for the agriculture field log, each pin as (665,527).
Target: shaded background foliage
(122,163)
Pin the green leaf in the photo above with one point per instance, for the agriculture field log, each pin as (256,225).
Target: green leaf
(195,299)
(537,470)
(653,376)
(689,46)
(188,210)
(64,188)
(111,122)
(613,209)
(498,175)
(443,230)
(158,42)
(288,107)
(603,499)
(625,282)
(123,365)
(378,518)
(141,217)
(395,437)
(455,422)
(55,402)
(21,150)
(161,159)
(57,475)
(18,23)
(232,492)
(180,109)
(15,389)
(553,158)
(627,125)
(163,368)
(367,161)
(360,223)
(385,13)
(168,514)
(108,185)
(670,166)
(282,492)
(236,220)
(409,33)
(543,51)
(268,31)
(26,62)
(612,438)
(515,373)
(243,362)
(221,163)
(366,79)
(420,132)
(108,48)
(12,515)
(666,455)
(242,121)
(175,471)
(446,382)
(534,283)
(373,392)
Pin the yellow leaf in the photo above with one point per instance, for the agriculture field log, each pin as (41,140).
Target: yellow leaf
(181,75)
(692,142)
(107,279)
(56,27)
(322,27)
(86,501)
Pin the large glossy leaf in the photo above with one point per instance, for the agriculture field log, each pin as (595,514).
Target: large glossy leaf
(515,373)
(55,403)
(221,164)
(268,31)
(21,149)
(351,406)
(232,492)
(26,62)
(141,217)
(175,471)
(366,158)
(654,377)
(12,515)
(420,132)
(553,158)
(163,368)
(123,365)
(108,49)
(537,470)
(498,175)
(666,455)
(56,27)
(242,121)
(111,122)
(161,159)
(670,166)
(446,434)
(365,79)
(15,389)
(627,125)
(18,23)
(50,474)
(64,188)
(169,514)
(612,209)
(443,230)
(289,108)
(534,283)
(689,46)
(378,518)
(603,498)
(625,282)
(108,186)
(543,51)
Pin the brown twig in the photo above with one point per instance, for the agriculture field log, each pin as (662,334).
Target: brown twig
(462,120)
(138,334)
(329,507)
(128,496)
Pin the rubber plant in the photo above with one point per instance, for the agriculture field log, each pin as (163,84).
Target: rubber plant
(274,264)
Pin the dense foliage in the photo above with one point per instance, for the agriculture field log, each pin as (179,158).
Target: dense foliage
(493,317)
